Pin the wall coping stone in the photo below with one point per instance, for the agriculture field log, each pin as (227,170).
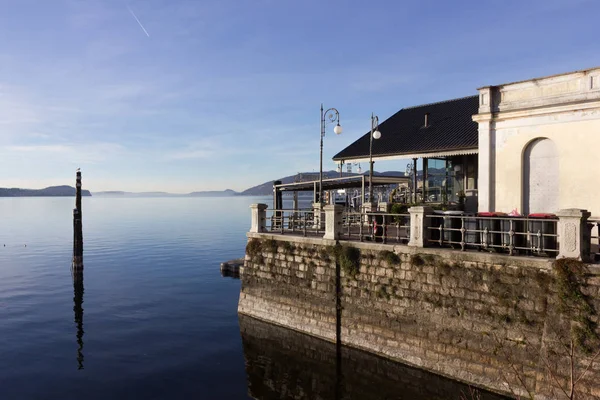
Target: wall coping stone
(448,254)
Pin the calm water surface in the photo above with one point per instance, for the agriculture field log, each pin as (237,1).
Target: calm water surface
(153,318)
(159,321)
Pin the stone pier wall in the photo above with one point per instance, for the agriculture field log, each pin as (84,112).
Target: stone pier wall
(481,318)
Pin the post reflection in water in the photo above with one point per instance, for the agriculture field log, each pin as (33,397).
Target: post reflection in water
(285,364)
(77,272)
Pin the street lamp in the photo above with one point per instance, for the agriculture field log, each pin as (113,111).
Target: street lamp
(375,134)
(332,115)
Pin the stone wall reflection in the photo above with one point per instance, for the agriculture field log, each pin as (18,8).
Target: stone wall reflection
(285,364)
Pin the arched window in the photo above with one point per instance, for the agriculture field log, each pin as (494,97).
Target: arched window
(540,177)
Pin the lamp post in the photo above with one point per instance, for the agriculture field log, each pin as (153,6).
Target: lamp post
(375,134)
(332,115)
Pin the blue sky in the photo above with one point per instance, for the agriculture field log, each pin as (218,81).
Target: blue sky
(226,94)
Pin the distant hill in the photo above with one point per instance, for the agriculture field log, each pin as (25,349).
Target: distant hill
(214,193)
(49,191)
(267,187)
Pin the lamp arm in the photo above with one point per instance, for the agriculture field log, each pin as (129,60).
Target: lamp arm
(374,123)
(331,116)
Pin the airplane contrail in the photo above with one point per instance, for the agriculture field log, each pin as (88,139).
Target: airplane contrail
(138,21)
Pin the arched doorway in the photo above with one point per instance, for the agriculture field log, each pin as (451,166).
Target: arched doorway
(540,177)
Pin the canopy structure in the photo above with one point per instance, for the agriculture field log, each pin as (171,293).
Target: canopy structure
(443,136)
(346,182)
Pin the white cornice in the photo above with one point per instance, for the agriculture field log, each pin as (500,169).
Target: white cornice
(538,111)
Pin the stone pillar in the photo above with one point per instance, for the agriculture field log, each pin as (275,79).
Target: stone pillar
(486,132)
(259,218)
(317,216)
(419,225)
(573,234)
(333,221)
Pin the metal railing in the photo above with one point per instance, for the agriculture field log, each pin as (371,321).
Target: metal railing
(515,235)
(295,222)
(594,226)
(375,227)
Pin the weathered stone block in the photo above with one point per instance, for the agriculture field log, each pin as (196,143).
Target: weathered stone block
(449,282)
(433,279)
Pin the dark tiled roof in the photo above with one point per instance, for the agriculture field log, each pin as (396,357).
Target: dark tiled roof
(450,128)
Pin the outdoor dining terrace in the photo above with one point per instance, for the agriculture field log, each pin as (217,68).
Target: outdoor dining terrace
(567,233)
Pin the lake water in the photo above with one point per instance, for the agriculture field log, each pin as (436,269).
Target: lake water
(153,318)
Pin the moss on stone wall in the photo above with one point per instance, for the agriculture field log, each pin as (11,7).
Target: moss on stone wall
(348,257)
(574,305)
(254,249)
(390,257)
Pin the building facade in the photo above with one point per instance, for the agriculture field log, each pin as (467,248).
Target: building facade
(539,143)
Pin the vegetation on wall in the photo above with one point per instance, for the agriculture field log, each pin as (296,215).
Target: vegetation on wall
(571,346)
(418,260)
(574,305)
(389,257)
(347,256)
(349,259)
(254,249)
(270,245)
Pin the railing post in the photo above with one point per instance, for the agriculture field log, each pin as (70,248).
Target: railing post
(419,225)
(333,221)
(384,233)
(259,217)
(304,224)
(573,234)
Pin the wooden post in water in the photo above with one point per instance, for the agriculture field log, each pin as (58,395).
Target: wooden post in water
(77,228)
(77,270)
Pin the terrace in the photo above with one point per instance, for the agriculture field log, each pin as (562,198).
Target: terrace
(568,233)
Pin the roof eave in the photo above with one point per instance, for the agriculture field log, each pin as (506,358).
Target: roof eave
(423,154)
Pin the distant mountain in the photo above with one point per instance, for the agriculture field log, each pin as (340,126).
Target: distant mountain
(49,191)
(267,187)
(388,173)
(214,193)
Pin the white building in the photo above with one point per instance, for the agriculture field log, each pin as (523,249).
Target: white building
(539,144)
